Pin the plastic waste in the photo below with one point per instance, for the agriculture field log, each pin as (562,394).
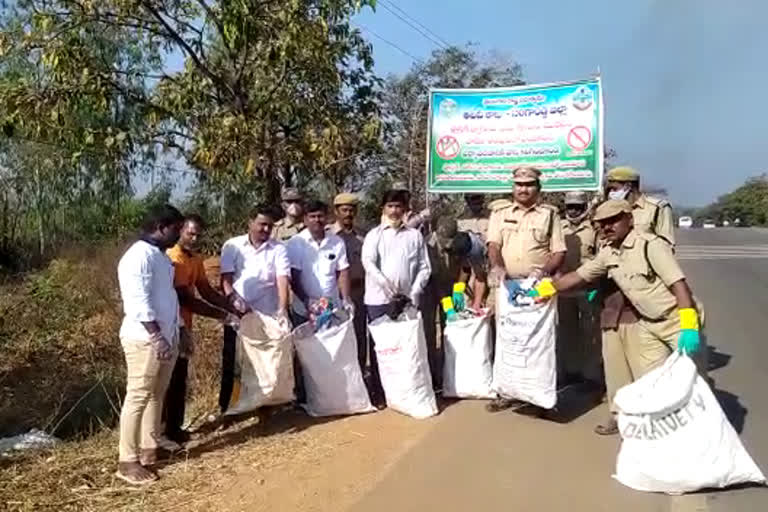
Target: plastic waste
(35,439)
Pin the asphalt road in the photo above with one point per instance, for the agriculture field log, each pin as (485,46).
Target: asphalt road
(473,460)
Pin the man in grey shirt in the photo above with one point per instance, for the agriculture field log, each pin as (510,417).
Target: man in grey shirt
(396,266)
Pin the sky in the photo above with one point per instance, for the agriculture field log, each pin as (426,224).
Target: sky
(684,81)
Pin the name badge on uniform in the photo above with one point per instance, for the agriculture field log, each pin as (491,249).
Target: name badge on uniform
(331,256)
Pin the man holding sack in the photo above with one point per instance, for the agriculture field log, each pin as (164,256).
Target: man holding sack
(644,268)
(525,240)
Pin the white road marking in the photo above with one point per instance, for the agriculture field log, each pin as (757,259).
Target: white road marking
(721,252)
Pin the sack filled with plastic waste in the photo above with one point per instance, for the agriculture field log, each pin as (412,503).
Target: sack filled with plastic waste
(525,365)
(468,367)
(330,369)
(401,350)
(675,436)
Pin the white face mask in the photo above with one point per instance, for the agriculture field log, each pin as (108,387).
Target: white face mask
(620,194)
(294,210)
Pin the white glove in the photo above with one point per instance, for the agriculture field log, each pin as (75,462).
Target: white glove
(536,274)
(284,320)
(496,276)
(163,347)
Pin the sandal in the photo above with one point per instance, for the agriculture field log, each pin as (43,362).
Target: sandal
(134,478)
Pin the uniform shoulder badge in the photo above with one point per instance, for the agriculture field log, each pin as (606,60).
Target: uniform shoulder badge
(499,204)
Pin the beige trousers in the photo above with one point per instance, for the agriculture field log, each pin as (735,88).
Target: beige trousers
(633,350)
(146,384)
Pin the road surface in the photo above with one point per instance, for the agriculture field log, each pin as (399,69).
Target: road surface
(476,461)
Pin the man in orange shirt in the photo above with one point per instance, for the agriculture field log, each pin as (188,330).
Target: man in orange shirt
(189,276)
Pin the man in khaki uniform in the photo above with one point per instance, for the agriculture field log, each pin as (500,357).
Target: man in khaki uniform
(525,239)
(293,222)
(475,222)
(618,317)
(345,206)
(578,346)
(644,268)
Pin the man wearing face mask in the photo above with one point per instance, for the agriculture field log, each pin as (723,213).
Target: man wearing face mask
(525,240)
(618,319)
(397,268)
(293,222)
(578,350)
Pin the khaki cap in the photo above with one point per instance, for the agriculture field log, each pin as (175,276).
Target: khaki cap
(346,198)
(575,197)
(611,208)
(622,174)
(291,194)
(526,175)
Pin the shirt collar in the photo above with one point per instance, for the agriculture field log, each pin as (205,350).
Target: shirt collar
(149,240)
(265,245)
(516,206)
(337,228)
(306,235)
(630,240)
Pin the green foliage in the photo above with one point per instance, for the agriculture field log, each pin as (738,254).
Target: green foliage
(748,203)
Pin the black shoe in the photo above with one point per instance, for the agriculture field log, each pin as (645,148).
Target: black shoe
(501,404)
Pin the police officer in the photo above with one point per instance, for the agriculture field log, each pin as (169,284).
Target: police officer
(578,351)
(618,318)
(651,215)
(525,239)
(293,222)
(644,268)
(345,206)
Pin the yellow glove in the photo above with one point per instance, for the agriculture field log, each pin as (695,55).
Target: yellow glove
(544,290)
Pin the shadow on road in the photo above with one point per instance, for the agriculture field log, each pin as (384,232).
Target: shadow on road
(717,360)
(734,411)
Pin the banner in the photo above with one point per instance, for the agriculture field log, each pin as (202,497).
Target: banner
(477,137)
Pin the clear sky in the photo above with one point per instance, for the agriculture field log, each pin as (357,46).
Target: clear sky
(685,81)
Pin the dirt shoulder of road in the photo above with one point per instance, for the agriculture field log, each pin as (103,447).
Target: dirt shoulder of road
(288,462)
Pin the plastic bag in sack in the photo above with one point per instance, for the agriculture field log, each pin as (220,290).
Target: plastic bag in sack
(265,364)
(330,369)
(525,364)
(675,436)
(401,350)
(468,368)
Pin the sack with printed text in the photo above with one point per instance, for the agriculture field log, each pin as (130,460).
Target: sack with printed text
(675,436)
(264,365)
(401,350)
(468,368)
(525,365)
(330,369)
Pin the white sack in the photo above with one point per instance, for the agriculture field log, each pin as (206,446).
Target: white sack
(525,366)
(265,364)
(330,369)
(675,436)
(401,350)
(468,369)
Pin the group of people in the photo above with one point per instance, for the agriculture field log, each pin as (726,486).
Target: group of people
(281,267)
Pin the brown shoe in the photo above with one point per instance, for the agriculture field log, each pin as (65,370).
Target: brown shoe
(609,428)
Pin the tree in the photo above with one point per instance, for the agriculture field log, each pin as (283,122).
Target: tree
(270,92)
(405,105)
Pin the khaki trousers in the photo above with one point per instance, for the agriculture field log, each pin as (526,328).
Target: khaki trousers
(146,384)
(633,350)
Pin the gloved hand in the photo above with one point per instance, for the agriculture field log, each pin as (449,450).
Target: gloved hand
(348,306)
(459,303)
(591,295)
(163,347)
(283,320)
(448,308)
(536,274)
(496,276)
(544,290)
(689,340)
(513,288)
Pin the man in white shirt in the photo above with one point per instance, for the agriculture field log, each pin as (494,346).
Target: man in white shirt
(255,276)
(149,337)
(396,265)
(319,265)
